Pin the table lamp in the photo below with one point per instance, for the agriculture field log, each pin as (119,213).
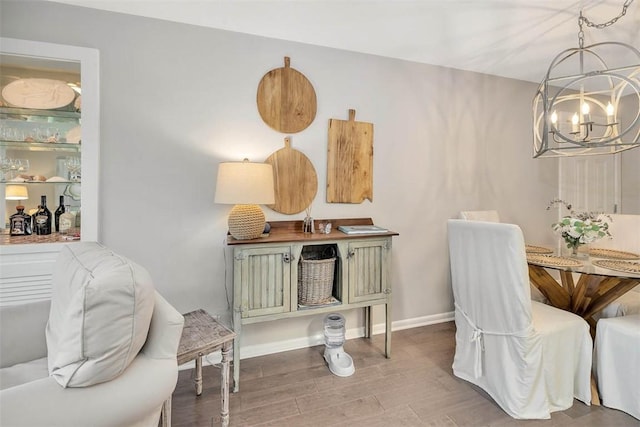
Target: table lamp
(16,192)
(245,185)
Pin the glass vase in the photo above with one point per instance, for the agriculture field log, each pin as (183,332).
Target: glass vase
(580,251)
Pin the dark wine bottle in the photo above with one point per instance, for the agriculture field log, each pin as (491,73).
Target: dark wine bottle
(20,223)
(33,218)
(42,223)
(59,212)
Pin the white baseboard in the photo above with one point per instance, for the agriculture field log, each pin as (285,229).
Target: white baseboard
(250,351)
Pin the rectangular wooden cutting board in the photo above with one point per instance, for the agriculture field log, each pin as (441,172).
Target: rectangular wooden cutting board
(350,161)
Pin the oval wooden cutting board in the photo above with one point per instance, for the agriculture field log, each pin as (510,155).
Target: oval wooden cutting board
(294,179)
(286,99)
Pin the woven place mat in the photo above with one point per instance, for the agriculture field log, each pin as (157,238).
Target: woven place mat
(553,261)
(532,249)
(618,265)
(612,254)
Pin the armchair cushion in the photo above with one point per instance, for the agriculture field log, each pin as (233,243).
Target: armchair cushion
(101,308)
(23,373)
(18,322)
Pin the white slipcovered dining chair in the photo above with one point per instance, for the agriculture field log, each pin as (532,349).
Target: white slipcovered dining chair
(625,236)
(617,363)
(490,216)
(531,358)
(493,216)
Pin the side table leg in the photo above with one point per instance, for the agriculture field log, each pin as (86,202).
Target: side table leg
(198,379)
(166,413)
(224,387)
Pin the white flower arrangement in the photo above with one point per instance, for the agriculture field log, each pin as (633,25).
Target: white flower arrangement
(581,228)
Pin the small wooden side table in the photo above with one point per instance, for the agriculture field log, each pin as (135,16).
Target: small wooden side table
(201,335)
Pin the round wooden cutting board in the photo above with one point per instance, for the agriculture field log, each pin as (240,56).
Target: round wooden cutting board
(294,178)
(286,99)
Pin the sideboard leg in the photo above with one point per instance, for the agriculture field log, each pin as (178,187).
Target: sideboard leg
(387,332)
(367,322)
(236,356)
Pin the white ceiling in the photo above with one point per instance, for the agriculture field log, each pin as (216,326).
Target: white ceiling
(509,38)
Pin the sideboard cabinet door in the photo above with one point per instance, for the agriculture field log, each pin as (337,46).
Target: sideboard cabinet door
(368,264)
(264,278)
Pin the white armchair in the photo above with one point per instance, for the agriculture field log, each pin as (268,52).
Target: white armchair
(531,358)
(33,393)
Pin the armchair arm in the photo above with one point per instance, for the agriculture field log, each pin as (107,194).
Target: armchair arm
(134,398)
(22,332)
(165,331)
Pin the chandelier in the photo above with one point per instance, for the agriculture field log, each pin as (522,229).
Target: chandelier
(589,100)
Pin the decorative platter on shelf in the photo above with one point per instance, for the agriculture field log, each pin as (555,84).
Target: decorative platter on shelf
(73,191)
(552,261)
(618,265)
(532,249)
(40,94)
(612,254)
(74,135)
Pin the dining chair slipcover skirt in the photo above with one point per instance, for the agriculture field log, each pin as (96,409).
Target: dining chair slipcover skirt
(625,236)
(617,362)
(533,359)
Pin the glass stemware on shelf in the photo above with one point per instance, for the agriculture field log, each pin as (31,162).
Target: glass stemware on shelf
(5,167)
(46,134)
(74,168)
(12,167)
(20,134)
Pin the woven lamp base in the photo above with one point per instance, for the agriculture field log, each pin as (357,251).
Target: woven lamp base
(246,222)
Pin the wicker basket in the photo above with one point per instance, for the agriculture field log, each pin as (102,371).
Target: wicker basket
(315,277)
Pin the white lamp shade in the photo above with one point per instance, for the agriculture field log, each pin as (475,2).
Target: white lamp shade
(245,183)
(16,192)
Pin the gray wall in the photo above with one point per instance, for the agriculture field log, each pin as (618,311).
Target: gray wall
(177,99)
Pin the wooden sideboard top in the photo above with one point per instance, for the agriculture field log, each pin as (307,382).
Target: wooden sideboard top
(291,231)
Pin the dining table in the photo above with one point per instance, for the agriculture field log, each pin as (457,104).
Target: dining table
(603,275)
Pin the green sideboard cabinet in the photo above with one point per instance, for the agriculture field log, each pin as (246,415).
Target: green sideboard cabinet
(265,276)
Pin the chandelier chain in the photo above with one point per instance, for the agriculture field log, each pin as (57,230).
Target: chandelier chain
(610,22)
(584,20)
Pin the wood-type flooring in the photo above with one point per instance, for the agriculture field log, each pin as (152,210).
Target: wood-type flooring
(416,387)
